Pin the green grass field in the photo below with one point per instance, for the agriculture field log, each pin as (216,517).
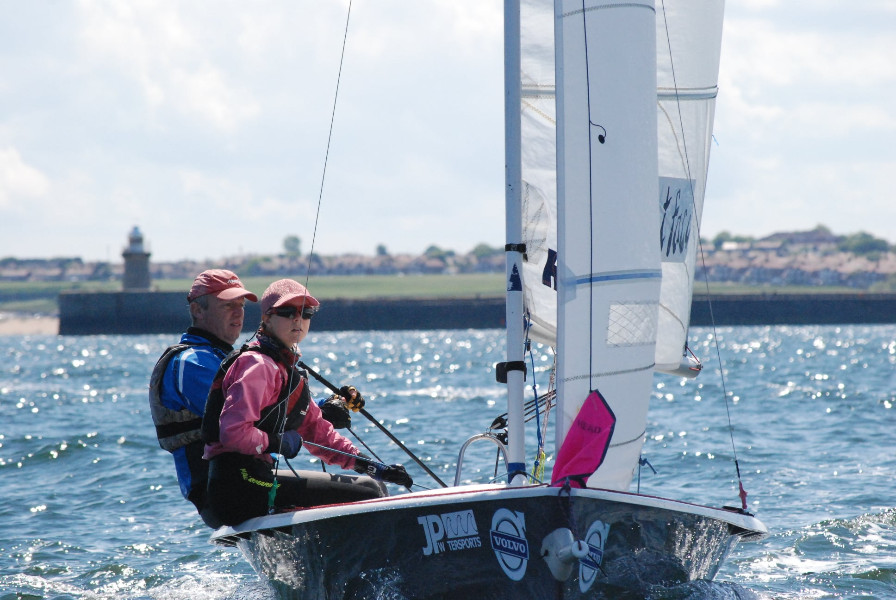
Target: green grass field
(377,286)
(42,297)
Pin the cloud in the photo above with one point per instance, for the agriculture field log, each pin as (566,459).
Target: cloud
(803,119)
(171,56)
(19,181)
(208,124)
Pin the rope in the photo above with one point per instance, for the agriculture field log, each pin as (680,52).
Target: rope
(540,456)
(363,443)
(284,406)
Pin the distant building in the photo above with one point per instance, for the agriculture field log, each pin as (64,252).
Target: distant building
(814,240)
(136,263)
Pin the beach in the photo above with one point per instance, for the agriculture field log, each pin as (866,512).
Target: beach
(28,324)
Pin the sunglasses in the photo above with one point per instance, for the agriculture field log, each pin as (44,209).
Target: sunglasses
(289,312)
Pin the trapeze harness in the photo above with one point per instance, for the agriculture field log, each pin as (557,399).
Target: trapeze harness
(287,413)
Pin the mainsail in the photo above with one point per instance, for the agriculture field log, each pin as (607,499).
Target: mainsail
(595,337)
(608,266)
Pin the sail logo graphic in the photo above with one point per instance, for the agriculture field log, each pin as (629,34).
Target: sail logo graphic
(678,215)
(549,274)
(450,531)
(589,566)
(515,283)
(508,537)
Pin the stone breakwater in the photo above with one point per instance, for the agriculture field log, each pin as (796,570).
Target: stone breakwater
(166,312)
(794,309)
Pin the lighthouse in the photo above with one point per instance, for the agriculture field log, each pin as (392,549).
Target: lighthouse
(136,263)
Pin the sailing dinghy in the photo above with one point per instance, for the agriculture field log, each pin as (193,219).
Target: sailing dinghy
(609,109)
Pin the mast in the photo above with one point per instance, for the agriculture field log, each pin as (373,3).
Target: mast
(515,365)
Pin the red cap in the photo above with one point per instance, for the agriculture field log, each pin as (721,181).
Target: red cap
(222,284)
(286,292)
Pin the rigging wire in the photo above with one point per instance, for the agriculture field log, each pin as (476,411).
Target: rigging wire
(530,407)
(741,491)
(323,176)
(320,196)
(591,324)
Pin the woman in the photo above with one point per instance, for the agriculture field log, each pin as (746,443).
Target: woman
(260,404)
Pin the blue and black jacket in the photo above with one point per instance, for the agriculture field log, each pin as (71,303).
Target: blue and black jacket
(178,390)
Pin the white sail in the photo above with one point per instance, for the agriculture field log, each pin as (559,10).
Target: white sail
(608,257)
(689,38)
(688,46)
(539,173)
(688,43)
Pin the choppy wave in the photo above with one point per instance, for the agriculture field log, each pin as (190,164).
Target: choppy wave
(91,508)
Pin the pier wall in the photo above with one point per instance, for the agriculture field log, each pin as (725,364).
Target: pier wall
(85,313)
(794,309)
(167,312)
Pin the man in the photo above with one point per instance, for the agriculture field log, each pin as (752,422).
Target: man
(181,379)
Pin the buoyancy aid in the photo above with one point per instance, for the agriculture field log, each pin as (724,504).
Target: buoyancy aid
(288,412)
(174,428)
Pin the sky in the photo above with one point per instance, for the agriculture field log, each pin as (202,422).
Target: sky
(206,124)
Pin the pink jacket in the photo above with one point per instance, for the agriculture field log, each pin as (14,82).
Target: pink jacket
(252,383)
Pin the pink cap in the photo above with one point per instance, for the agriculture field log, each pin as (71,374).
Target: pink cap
(222,284)
(286,292)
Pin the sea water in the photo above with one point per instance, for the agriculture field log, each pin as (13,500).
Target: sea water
(91,507)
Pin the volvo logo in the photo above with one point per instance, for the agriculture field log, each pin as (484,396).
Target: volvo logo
(508,537)
(589,566)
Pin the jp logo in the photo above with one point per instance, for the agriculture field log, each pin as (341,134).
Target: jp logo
(589,566)
(508,536)
(450,531)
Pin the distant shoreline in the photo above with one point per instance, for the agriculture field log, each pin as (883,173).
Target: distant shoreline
(28,324)
(404,313)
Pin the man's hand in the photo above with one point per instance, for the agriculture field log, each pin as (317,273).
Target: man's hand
(353,398)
